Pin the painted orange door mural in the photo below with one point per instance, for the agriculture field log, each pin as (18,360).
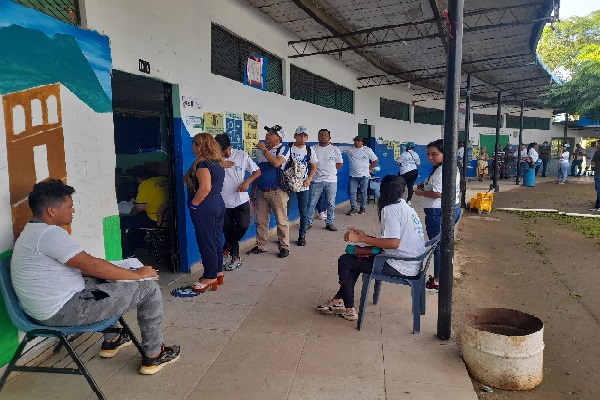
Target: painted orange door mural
(34,143)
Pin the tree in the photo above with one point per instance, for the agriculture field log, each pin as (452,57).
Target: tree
(571,49)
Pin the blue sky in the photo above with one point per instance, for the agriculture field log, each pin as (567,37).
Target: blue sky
(579,8)
(94,46)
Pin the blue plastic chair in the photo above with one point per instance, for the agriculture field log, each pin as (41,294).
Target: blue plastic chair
(416,283)
(32,329)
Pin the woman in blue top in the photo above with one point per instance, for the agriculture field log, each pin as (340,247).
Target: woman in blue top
(204,181)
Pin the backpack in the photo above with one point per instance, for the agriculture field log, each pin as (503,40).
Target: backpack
(292,177)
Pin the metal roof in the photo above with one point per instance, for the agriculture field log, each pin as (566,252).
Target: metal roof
(393,42)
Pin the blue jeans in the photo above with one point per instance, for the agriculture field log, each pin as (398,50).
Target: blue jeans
(576,167)
(302,209)
(433,226)
(330,190)
(355,183)
(523,169)
(562,172)
(597,187)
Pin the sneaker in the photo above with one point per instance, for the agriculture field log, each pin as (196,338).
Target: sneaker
(349,314)
(409,203)
(431,285)
(331,227)
(361,211)
(595,209)
(256,250)
(110,349)
(235,263)
(332,306)
(167,356)
(227,258)
(353,211)
(301,241)
(323,215)
(283,253)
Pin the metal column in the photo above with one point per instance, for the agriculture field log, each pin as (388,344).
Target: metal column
(518,159)
(566,127)
(463,173)
(453,78)
(495,153)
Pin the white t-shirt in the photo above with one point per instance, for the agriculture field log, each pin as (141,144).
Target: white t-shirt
(42,281)
(564,158)
(234,177)
(434,184)
(328,156)
(300,155)
(408,161)
(461,152)
(360,159)
(400,221)
(533,154)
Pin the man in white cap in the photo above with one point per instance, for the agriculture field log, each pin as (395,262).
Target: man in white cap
(305,167)
(268,194)
(362,161)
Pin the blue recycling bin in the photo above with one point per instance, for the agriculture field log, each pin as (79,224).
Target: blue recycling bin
(529,179)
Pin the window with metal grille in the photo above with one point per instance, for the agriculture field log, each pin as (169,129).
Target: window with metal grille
(429,116)
(315,89)
(63,10)
(394,109)
(485,120)
(513,121)
(230,52)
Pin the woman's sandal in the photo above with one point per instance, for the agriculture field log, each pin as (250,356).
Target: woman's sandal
(220,279)
(199,287)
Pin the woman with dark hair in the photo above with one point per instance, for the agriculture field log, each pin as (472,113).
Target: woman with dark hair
(204,181)
(401,235)
(431,191)
(409,161)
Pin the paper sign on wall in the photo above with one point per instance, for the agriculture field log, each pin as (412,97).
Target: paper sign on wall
(233,128)
(250,133)
(213,123)
(191,102)
(256,72)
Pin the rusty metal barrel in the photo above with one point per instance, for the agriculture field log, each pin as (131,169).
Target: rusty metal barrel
(504,348)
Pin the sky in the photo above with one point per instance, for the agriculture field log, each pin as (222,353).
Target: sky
(579,8)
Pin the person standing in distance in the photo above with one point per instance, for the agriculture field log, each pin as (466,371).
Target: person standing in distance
(237,201)
(325,180)
(308,163)
(362,161)
(409,161)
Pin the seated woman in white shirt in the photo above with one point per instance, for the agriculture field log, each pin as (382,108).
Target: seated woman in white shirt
(401,235)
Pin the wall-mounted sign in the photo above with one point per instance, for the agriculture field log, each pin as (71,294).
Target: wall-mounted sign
(144,66)
(256,72)
(191,102)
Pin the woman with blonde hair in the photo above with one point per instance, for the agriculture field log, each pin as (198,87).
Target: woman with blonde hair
(482,163)
(204,181)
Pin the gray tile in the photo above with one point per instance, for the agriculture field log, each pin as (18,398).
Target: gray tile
(41,386)
(337,327)
(198,346)
(278,320)
(399,390)
(313,387)
(235,294)
(299,297)
(213,316)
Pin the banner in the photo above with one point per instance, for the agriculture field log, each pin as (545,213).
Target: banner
(250,134)
(233,128)
(255,74)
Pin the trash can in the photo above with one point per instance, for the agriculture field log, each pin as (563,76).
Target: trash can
(529,179)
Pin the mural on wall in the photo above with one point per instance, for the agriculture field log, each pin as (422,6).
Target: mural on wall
(38,54)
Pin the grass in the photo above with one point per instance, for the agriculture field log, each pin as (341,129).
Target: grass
(589,227)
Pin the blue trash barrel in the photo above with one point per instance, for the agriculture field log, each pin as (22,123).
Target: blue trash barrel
(529,179)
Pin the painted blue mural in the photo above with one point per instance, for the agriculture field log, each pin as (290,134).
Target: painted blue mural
(40,50)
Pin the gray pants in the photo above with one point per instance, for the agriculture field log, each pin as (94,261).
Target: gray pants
(101,300)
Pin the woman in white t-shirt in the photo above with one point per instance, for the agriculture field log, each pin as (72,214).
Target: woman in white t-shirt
(431,191)
(409,162)
(563,164)
(401,235)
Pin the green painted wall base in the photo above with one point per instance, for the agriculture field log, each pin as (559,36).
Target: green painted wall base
(112,238)
(9,336)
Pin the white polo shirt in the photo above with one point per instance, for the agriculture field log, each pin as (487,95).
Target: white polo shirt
(235,176)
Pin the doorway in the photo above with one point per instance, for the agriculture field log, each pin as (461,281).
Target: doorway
(365,131)
(144,141)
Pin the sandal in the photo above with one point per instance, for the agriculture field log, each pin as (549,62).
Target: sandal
(199,287)
(220,278)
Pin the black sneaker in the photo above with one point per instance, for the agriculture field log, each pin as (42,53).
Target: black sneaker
(331,227)
(353,211)
(256,250)
(283,253)
(167,356)
(361,211)
(110,349)
(431,285)
(301,241)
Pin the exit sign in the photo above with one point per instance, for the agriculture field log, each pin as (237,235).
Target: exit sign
(144,66)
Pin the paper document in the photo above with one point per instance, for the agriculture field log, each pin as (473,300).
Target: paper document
(131,264)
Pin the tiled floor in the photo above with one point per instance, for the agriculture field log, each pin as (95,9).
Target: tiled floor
(258,337)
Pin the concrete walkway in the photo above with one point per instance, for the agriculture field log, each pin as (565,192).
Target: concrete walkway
(259,337)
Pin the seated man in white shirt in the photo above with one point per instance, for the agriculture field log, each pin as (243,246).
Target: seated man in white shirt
(47,269)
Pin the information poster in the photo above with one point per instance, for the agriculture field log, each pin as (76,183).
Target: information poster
(396,150)
(250,133)
(233,128)
(213,123)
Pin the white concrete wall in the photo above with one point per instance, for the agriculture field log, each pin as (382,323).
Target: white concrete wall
(6,227)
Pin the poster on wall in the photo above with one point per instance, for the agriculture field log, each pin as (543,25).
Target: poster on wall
(250,133)
(255,74)
(213,123)
(396,150)
(194,124)
(233,128)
